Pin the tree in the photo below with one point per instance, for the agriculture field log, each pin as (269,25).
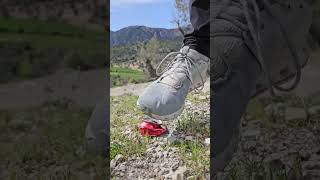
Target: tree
(181,16)
(149,57)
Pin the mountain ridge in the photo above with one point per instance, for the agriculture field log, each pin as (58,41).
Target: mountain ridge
(136,33)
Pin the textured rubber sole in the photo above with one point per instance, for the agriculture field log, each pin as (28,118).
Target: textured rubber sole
(163,117)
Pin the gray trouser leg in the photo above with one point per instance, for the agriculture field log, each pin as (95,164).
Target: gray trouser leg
(97,129)
(230,97)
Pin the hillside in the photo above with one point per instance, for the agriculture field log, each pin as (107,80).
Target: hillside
(128,52)
(86,13)
(135,34)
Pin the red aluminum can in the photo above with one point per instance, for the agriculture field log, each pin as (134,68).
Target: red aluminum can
(151,129)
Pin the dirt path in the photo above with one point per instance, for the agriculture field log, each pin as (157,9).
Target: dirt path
(81,88)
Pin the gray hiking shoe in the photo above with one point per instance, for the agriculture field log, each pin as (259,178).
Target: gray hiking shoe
(164,99)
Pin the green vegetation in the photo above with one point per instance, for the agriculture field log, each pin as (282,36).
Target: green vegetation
(129,52)
(121,76)
(125,114)
(53,146)
(194,153)
(145,55)
(33,48)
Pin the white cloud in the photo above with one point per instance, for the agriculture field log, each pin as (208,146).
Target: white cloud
(135,2)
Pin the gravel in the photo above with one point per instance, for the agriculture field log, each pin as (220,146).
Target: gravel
(161,160)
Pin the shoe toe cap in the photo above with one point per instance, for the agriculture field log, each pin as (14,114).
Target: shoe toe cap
(161,100)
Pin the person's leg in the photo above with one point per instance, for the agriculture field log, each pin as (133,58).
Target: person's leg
(199,38)
(96,132)
(230,96)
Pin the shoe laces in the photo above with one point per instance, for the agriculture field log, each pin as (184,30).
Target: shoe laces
(186,63)
(255,33)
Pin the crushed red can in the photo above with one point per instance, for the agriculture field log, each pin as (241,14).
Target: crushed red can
(151,129)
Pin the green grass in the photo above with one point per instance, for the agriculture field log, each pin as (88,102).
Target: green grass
(248,168)
(126,72)
(33,26)
(44,34)
(123,76)
(34,48)
(195,152)
(191,119)
(125,115)
(195,155)
(48,143)
(194,97)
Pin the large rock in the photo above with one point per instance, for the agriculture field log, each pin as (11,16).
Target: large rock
(293,113)
(179,174)
(275,110)
(251,134)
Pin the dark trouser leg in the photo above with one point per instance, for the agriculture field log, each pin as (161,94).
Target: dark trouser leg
(199,39)
(230,97)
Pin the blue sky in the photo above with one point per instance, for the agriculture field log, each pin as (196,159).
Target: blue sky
(151,13)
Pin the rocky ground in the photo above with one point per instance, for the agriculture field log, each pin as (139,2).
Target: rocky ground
(279,140)
(183,153)
(283,144)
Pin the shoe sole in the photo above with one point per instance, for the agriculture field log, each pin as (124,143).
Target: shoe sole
(163,117)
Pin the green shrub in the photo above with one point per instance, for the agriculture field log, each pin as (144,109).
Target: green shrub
(83,61)
(24,68)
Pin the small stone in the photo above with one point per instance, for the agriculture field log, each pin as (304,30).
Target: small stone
(314,110)
(310,165)
(175,166)
(156,170)
(207,141)
(202,97)
(250,145)
(304,155)
(160,154)
(208,153)
(275,110)
(251,134)
(118,158)
(164,171)
(179,174)
(165,154)
(172,139)
(113,164)
(159,148)
(188,138)
(80,151)
(150,150)
(122,167)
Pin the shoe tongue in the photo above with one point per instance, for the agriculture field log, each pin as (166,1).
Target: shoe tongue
(176,75)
